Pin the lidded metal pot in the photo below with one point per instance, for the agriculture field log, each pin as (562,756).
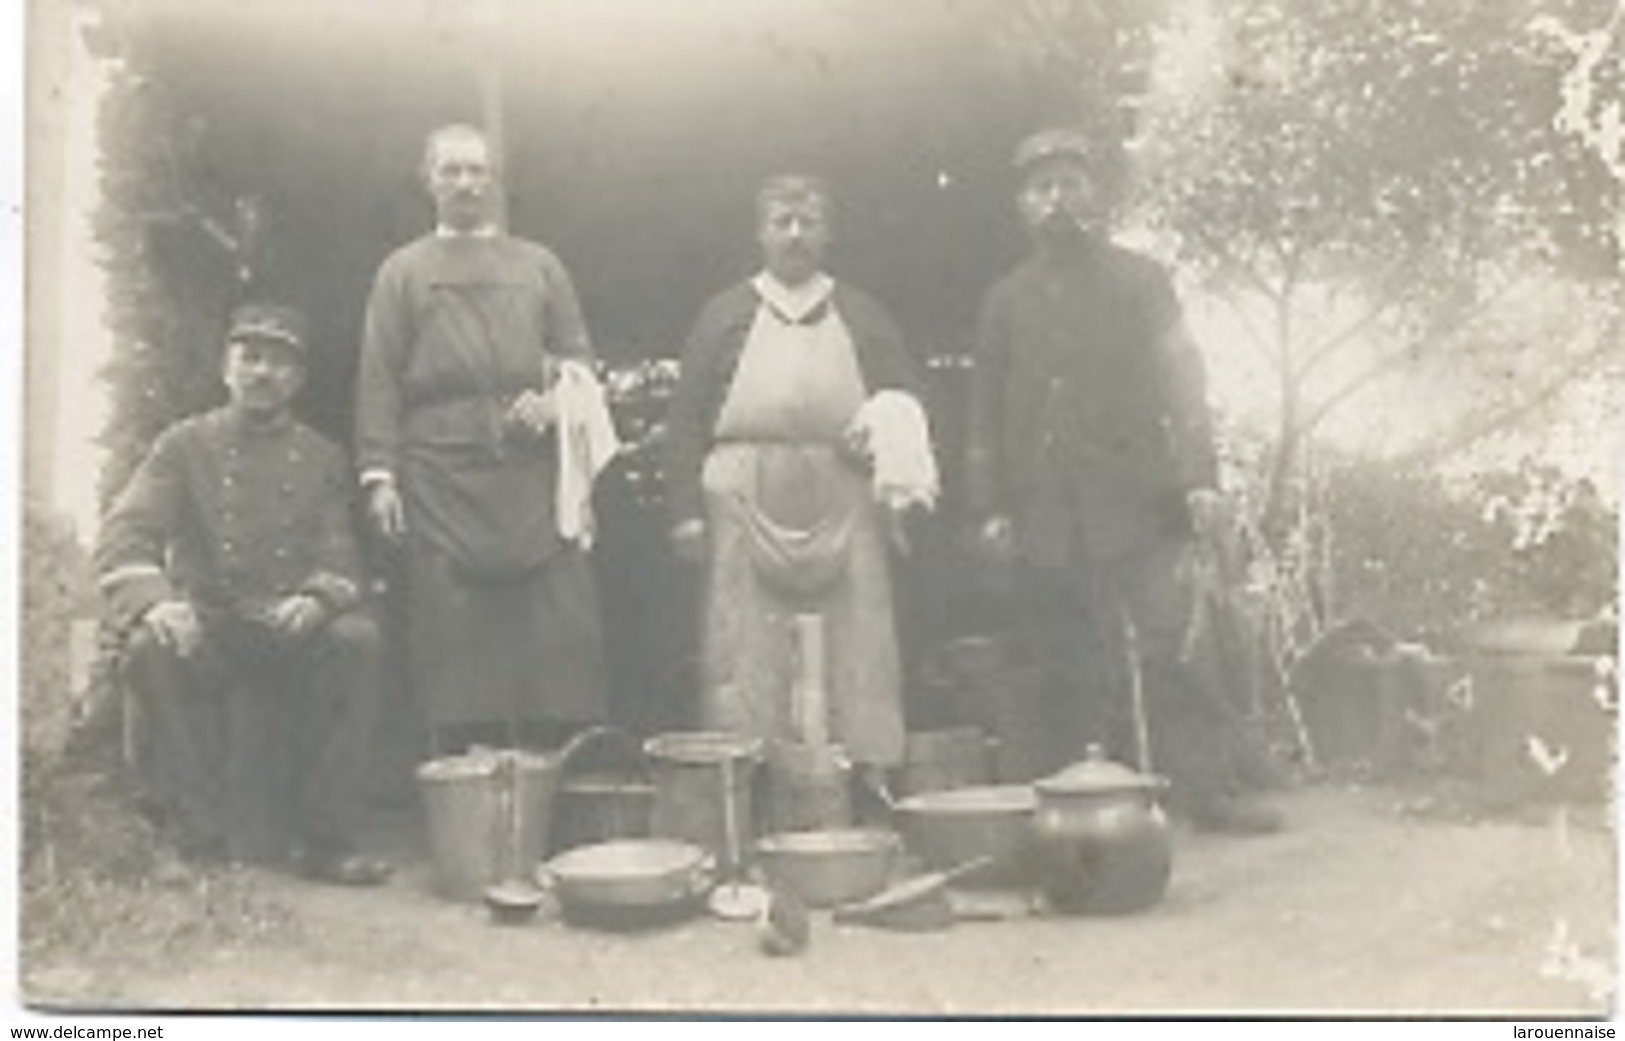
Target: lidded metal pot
(1101,843)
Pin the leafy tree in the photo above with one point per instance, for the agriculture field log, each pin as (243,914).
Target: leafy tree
(1381,191)
(167,288)
(1382,186)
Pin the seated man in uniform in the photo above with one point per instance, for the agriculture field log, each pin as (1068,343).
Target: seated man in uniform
(230,564)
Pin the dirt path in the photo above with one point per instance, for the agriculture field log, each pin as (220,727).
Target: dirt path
(1358,908)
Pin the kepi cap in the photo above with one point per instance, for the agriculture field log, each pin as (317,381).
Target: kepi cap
(269,322)
(1054,143)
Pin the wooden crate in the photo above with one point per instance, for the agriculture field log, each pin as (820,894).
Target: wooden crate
(1541,728)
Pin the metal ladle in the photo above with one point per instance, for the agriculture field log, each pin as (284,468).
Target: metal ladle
(516,898)
(734,899)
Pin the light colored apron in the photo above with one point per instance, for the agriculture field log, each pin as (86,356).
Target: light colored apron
(794,529)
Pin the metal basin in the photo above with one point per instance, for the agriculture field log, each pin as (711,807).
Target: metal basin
(831,867)
(630,882)
(946,829)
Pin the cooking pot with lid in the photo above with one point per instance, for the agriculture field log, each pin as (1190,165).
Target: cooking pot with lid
(1101,843)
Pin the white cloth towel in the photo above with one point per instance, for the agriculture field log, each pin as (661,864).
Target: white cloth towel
(587,443)
(892,429)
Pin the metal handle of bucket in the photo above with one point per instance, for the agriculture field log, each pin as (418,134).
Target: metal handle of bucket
(620,739)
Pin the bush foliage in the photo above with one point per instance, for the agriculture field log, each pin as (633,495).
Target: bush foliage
(1423,555)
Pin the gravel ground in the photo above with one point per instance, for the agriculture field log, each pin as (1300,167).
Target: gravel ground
(1372,903)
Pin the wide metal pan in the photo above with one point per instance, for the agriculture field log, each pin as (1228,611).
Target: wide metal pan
(990,825)
(630,883)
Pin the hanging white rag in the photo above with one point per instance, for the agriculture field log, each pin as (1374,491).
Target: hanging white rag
(892,430)
(587,442)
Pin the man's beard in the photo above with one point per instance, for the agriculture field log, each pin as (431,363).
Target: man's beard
(1061,230)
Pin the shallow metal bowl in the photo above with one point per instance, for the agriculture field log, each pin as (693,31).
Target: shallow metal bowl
(830,867)
(629,873)
(958,825)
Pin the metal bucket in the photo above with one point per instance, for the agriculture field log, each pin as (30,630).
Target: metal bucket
(808,787)
(468,819)
(592,808)
(689,770)
(603,797)
(469,822)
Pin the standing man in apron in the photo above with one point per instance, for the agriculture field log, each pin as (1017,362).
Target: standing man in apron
(467,331)
(766,487)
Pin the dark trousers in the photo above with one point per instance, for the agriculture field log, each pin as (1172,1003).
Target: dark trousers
(255,744)
(516,658)
(1074,670)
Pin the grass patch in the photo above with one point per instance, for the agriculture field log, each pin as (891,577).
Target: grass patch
(99,887)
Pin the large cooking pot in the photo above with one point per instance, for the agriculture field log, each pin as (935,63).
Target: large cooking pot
(630,883)
(1100,841)
(949,828)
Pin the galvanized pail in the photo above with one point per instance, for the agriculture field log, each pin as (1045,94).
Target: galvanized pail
(698,775)
(604,794)
(474,839)
(469,826)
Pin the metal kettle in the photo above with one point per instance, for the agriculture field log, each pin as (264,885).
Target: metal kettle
(1101,843)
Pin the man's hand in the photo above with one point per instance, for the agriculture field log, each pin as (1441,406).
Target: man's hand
(1207,509)
(174,623)
(994,537)
(296,615)
(533,411)
(387,511)
(689,540)
(854,446)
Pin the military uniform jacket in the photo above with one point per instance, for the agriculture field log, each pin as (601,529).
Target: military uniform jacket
(232,517)
(1089,419)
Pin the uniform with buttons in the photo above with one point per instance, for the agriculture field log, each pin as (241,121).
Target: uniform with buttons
(256,743)
(233,517)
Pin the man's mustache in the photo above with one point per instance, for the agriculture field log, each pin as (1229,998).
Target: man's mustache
(1061,224)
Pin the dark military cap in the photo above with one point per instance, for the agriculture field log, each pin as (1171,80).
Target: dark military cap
(1055,143)
(269,322)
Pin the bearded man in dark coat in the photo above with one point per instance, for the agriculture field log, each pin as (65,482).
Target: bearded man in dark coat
(1092,467)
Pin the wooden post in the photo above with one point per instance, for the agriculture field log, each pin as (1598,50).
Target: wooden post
(47,215)
(490,19)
